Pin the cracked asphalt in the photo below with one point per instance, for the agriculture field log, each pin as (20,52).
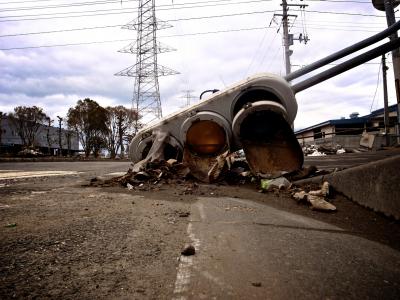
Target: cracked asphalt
(61,239)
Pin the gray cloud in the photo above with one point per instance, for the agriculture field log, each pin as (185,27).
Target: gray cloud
(55,78)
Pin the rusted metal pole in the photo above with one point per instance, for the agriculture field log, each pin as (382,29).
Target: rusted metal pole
(390,18)
(344,52)
(347,65)
(385,100)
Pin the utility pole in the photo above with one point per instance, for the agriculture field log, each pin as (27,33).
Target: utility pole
(390,18)
(286,44)
(289,38)
(59,134)
(385,100)
(388,7)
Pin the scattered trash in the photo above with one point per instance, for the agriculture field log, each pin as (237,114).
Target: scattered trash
(325,149)
(11,225)
(317,153)
(341,151)
(29,153)
(323,192)
(277,183)
(316,198)
(129,186)
(300,196)
(319,203)
(188,250)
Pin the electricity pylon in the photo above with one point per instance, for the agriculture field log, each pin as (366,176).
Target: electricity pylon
(146,96)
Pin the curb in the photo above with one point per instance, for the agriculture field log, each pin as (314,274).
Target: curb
(375,185)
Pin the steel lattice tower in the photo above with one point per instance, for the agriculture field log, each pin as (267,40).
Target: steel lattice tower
(146,95)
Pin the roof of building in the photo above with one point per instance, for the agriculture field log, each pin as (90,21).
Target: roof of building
(380,111)
(358,120)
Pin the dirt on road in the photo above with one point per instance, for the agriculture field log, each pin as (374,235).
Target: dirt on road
(62,240)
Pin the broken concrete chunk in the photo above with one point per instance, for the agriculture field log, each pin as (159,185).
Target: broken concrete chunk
(316,198)
(323,192)
(320,203)
(217,167)
(300,196)
(184,214)
(325,188)
(188,250)
(171,161)
(256,284)
(142,176)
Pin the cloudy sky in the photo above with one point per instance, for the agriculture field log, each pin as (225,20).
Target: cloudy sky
(55,52)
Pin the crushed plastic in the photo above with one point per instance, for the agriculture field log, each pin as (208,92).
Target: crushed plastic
(278,183)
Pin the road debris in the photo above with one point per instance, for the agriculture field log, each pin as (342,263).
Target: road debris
(256,284)
(184,214)
(317,198)
(319,203)
(188,250)
(280,183)
(322,150)
(11,225)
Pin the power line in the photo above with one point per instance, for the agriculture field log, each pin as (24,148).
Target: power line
(377,85)
(102,2)
(111,26)
(33,1)
(331,28)
(166,36)
(107,11)
(61,5)
(342,1)
(65,15)
(343,13)
(125,40)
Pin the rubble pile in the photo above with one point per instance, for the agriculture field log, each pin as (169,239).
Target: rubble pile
(29,153)
(322,150)
(150,177)
(232,170)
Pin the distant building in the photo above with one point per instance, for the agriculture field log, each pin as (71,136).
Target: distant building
(347,132)
(10,142)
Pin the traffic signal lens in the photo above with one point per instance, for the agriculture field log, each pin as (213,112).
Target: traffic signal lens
(206,137)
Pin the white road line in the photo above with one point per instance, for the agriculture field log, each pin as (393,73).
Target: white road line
(22,174)
(116,174)
(186,262)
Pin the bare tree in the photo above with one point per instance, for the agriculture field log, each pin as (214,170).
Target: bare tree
(88,120)
(27,121)
(119,121)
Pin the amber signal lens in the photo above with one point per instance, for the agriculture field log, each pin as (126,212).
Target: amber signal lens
(206,137)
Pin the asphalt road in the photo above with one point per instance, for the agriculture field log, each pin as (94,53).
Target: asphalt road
(348,160)
(84,242)
(253,251)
